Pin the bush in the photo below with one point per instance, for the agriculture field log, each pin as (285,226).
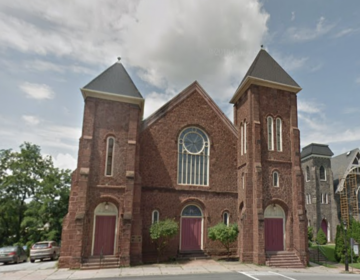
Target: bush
(354,232)
(310,234)
(161,232)
(321,237)
(225,234)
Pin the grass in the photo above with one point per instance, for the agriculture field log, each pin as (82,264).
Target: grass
(329,252)
(355,265)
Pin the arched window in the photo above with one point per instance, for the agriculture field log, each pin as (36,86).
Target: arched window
(307,174)
(322,173)
(245,139)
(155,216)
(241,139)
(110,143)
(226,218)
(270,131)
(194,157)
(276,179)
(278,134)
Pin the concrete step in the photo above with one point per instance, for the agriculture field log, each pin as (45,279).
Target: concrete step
(283,259)
(192,255)
(95,262)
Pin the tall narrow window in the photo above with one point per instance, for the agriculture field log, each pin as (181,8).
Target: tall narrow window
(243,180)
(226,218)
(109,156)
(326,198)
(275,179)
(242,139)
(270,128)
(155,216)
(322,173)
(278,134)
(307,174)
(245,139)
(193,157)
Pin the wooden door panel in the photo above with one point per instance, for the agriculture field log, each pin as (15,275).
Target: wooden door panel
(191,234)
(104,235)
(274,235)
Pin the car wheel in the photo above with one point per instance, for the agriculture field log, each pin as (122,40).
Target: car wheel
(17,260)
(32,260)
(5,263)
(53,257)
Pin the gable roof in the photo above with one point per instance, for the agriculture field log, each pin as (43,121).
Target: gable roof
(341,165)
(114,80)
(195,86)
(315,149)
(266,71)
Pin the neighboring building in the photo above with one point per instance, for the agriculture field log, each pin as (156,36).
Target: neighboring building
(187,162)
(319,191)
(328,180)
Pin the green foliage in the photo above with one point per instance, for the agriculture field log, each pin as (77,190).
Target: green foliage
(321,237)
(224,234)
(161,232)
(33,194)
(352,232)
(310,234)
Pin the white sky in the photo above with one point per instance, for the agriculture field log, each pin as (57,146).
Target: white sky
(50,49)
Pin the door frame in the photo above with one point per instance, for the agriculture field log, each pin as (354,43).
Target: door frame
(197,217)
(101,210)
(275,211)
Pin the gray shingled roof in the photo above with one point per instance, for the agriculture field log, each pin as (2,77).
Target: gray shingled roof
(316,149)
(114,80)
(341,163)
(266,68)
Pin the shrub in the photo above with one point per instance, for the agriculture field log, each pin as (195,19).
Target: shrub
(225,234)
(161,232)
(310,234)
(321,237)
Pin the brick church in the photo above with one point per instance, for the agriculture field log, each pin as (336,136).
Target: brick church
(188,162)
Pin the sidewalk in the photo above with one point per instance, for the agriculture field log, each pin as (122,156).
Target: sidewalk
(185,267)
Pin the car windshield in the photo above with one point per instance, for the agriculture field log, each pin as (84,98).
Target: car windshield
(7,249)
(40,245)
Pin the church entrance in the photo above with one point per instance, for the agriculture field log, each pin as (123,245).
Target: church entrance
(104,232)
(274,228)
(191,229)
(324,227)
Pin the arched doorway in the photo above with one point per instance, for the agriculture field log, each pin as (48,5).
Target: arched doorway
(104,231)
(324,227)
(274,228)
(191,228)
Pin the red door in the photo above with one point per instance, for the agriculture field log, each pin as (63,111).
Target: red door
(104,235)
(324,227)
(190,234)
(274,235)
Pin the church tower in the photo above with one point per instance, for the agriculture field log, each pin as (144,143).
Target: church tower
(106,191)
(270,183)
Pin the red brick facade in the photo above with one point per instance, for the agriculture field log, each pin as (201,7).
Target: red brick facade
(145,175)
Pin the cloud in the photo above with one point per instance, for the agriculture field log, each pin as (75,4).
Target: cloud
(44,66)
(32,120)
(65,161)
(292,16)
(37,91)
(310,107)
(290,62)
(344,32)
(357,80)
(296,34)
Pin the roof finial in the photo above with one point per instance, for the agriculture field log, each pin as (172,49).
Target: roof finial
(262,47)
(119,58)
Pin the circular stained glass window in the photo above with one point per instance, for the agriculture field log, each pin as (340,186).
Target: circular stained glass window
(193,142)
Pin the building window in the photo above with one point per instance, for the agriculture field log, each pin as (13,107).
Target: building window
(276,179)
(243,181)
(226,218)
(307,174)
(245,139)
(194,157)
(270,130)
(322,173)
(308,199)
(278,134)
(242,139)
(155,216)
(109,156)
(326,198)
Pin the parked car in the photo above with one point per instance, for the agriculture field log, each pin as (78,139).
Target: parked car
(13,254)
(44,250)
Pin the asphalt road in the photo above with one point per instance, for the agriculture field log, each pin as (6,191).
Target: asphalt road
(46,264)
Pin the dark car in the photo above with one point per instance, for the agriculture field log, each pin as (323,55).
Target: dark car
(13,254)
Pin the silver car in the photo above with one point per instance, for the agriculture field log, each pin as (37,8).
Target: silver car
(44,250)
(14,254)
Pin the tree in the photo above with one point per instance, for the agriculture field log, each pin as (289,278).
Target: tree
(352,232)
(225,234)
(321,237)
(161,232)
(33,193)
(310,234)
